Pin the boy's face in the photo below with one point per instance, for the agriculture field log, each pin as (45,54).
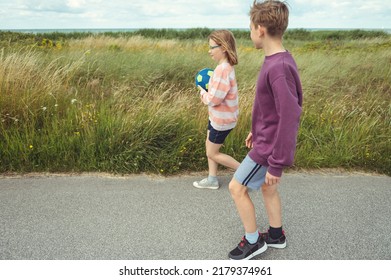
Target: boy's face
(256,36)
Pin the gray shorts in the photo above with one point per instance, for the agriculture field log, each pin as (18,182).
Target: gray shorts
(250,174)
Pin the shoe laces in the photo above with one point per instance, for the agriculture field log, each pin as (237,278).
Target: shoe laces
(243,242)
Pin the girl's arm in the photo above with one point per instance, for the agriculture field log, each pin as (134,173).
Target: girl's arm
(218,87)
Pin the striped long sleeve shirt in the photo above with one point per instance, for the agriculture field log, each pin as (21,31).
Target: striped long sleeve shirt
(222,98)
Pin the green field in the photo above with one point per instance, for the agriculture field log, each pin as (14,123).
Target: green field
(126,102)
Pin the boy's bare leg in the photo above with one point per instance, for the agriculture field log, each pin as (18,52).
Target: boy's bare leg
(244,205)
(271,198)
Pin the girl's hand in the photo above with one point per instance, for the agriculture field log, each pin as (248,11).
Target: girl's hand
(249,141)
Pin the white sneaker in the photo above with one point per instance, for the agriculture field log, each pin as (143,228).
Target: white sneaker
(205,184)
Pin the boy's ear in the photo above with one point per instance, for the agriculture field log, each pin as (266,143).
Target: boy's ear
(261,30)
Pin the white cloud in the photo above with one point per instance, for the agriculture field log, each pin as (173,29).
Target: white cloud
(75,3)
(340,14)
(184,14)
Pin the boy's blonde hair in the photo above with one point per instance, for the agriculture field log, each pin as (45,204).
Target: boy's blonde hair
(226,40)
(271,14)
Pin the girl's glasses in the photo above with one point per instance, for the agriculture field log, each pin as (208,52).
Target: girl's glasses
(214,47)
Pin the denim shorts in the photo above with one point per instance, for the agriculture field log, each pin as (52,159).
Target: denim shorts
(250,174)
(217,136)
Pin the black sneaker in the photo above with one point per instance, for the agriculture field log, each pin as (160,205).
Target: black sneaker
(246,251)
(279,243)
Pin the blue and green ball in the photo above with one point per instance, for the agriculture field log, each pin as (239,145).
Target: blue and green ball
(202,78)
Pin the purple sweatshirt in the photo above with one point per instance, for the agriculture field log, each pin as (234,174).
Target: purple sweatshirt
(276,113)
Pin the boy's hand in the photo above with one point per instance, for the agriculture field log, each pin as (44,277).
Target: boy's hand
(271,180)
(249,140)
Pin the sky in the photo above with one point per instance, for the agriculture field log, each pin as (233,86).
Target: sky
(136,14)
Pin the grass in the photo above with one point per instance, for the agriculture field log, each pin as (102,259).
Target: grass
(126,103)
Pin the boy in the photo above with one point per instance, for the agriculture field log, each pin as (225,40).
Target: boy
(275,121)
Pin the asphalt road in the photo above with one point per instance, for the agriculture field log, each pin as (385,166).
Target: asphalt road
(327,216)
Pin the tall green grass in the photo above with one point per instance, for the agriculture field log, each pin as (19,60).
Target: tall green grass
(127,104)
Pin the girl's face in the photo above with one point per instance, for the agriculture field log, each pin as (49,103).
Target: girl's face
(216,52)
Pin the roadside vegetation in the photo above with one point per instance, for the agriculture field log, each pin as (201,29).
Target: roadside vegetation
(125,102)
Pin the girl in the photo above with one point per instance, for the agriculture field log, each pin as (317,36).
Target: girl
(222,100)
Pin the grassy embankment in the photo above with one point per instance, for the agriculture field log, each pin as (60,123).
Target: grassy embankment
(126,102)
